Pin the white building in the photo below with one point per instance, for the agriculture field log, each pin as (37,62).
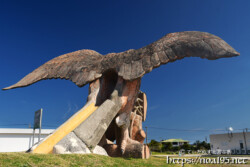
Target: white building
(17,140)
(234,143)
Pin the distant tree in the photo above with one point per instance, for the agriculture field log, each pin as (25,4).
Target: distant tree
(192,147)
(167,147)
(155,145)
(201,145)
(176,148)
(205,145)
(186,146)
(196,145)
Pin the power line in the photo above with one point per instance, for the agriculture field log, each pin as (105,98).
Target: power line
(187,130)
(13,124)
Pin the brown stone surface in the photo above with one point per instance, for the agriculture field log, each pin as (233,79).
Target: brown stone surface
(130,143)
(137,117)
(132,150)
(140,106)
(129,94)
(136,131)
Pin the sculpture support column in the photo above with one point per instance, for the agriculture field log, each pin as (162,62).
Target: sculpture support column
(126,146)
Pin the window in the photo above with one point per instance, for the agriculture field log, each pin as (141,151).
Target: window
(241,146)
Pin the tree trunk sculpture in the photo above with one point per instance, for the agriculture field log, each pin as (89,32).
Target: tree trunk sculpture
(123,72)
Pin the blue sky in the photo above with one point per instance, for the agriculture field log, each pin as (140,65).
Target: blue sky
(189,94)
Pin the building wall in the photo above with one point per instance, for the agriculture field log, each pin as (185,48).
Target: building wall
(18,140)
(223,142)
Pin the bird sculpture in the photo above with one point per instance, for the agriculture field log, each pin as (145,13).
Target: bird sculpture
(123,72)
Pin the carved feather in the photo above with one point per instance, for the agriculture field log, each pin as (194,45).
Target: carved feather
(84,66)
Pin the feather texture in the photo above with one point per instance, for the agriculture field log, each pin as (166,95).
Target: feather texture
(84,66)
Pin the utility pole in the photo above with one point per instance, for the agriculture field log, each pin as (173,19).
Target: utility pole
(246,139)
(244,135)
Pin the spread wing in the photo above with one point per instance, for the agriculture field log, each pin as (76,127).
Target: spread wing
(84,66)
(133,64)
(80,67)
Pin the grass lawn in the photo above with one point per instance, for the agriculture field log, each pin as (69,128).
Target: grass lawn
(75,160)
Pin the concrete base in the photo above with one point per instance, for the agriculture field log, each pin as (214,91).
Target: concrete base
(71,144)
(93,128)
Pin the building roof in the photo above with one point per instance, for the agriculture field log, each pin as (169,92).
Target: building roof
(174,140)
(23,131)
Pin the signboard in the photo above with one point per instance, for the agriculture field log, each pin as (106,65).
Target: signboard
(38,119)
(37,123)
